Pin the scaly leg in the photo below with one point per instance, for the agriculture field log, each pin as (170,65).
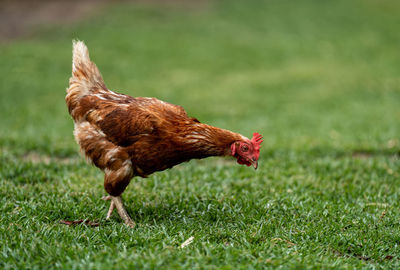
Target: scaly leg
(116,202)
(112,205)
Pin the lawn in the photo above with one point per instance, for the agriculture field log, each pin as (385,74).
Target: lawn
(319,79)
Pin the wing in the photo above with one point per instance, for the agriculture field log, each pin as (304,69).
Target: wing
(124,123)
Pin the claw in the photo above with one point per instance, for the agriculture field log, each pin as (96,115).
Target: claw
(110,211)
(116,202)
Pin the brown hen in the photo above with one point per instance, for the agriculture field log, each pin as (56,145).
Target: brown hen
(126,136)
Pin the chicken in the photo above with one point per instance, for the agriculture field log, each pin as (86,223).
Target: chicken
(126,136)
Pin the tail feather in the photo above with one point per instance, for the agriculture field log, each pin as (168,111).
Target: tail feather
(84,71)
(86,78)
(80,54)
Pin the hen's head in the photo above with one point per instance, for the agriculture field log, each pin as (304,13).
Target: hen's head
(247,151)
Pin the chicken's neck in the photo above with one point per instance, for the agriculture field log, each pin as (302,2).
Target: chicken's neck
(209,140)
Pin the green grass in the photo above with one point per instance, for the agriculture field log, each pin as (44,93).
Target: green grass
(319,79)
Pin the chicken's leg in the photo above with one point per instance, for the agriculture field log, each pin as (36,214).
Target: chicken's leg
(116,202)
(112,206)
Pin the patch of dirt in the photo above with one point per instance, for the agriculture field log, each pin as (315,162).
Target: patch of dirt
(18,18)
(364,258)
(364,154)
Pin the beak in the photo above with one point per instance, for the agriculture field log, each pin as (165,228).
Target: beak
(254,163)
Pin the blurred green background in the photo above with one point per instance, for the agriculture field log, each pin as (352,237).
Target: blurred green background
(319,79)
(307,75)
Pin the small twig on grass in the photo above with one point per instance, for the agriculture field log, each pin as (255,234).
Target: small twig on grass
(187,242)
(76,222)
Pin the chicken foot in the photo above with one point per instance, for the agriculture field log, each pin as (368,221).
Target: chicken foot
(116,202)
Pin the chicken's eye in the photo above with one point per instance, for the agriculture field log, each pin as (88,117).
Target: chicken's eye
(245,148)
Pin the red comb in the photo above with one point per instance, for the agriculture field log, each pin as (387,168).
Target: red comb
(257,140)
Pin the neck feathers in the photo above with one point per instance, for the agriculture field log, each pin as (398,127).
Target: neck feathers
(209,140)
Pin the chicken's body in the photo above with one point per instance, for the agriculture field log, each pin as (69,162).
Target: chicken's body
(127,137)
